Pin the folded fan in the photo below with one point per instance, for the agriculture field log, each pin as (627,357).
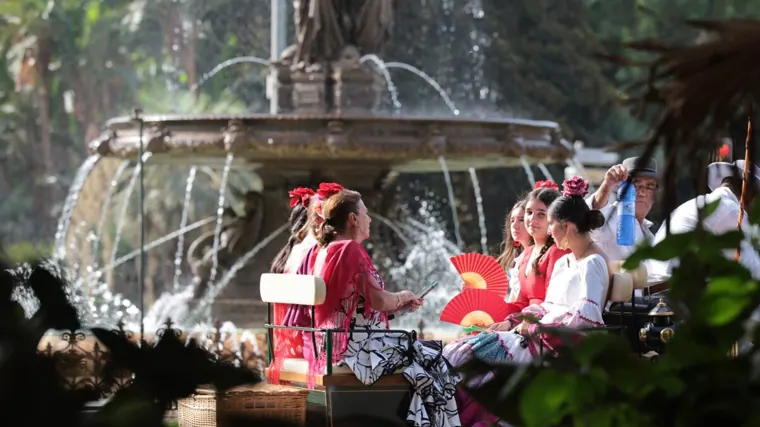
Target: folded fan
(479,271)
(477,307)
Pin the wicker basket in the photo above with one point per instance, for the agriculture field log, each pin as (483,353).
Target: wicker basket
(206,409)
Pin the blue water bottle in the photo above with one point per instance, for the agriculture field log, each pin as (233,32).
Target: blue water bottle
(626,210)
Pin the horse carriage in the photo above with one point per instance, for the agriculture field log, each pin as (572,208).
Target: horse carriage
(338,396)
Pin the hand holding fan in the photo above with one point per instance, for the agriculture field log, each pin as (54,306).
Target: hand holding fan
(479,271)
(477,307)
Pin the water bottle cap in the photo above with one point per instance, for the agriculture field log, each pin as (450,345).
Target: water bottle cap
(625,185)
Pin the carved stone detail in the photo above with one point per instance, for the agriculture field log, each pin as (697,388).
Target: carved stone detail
(336,138)
(102,144)
(436,140)
(310,92)
(355,87)
(158,139)
(235,136)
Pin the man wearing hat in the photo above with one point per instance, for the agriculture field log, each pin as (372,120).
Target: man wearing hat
(645,180)
(725,182)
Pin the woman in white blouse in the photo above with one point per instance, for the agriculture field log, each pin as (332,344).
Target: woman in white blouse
(575,296)
(516,239)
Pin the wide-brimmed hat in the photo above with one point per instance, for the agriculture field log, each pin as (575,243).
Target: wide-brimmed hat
(649,170)
(718,171)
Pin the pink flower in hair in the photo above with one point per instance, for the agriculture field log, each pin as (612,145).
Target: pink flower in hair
(546,184)
(575,186)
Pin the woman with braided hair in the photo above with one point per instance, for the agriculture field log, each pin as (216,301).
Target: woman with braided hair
(537,261)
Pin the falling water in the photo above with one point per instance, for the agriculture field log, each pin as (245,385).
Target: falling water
(431,81)
(481,213)
(528,171)
(203,308)
(239,60)
(125,206)
(105,208)
(393,228)
(545,172)
(220,217)
(381,66)
(182,224)
(156,243)
(59,249)
(452,201)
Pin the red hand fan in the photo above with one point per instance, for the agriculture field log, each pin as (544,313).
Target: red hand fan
(475,307)
(479,271)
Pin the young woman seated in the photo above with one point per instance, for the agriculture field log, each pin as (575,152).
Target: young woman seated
(516,239)
(356,300)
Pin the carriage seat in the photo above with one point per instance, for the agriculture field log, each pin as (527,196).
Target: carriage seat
(624,283)
(309,291)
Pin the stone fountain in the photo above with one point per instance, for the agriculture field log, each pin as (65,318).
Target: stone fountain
(327,128)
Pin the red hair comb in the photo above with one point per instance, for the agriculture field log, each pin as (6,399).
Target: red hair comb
(546,184)
(300,195)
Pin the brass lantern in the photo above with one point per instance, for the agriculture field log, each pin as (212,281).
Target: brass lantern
(660,329)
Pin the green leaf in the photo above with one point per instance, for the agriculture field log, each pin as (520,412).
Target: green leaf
(93,12)
(753,216)
(543,400)
(671,247)
(726,298)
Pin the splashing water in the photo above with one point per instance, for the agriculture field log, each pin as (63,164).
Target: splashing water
(431,81)
(380,64)
(452,201)
(481,213)
(59,250)
(248,337)
(204,307)
(528,171)
(220,217)
(105,208)
(427,260)
(125,207)
(221,66)
(182,223)
(545,172)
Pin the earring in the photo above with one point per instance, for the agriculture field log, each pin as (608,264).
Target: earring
(563,244)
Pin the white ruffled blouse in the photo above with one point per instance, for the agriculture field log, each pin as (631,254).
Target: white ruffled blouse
(576,293)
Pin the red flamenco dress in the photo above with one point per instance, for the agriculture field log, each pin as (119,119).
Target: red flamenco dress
(533,286)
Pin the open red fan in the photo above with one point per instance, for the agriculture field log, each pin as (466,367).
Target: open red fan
(479,271)
(477,307)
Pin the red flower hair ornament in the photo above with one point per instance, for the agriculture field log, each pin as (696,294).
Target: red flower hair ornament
(300,195)
(327,189)
(546,184)
(575,186)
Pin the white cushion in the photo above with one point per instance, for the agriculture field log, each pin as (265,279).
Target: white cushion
(638,275)
(621,287)
(292,289)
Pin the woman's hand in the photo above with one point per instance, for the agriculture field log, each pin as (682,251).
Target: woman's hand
(523,328)
(405,297)
(500,326)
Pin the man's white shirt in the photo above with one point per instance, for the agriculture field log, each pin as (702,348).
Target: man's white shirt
(722,220)
(605,237)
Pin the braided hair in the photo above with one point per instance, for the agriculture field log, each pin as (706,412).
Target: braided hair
(545,195)
(298,220)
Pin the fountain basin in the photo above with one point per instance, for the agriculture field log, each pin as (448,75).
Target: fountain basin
(404,144)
